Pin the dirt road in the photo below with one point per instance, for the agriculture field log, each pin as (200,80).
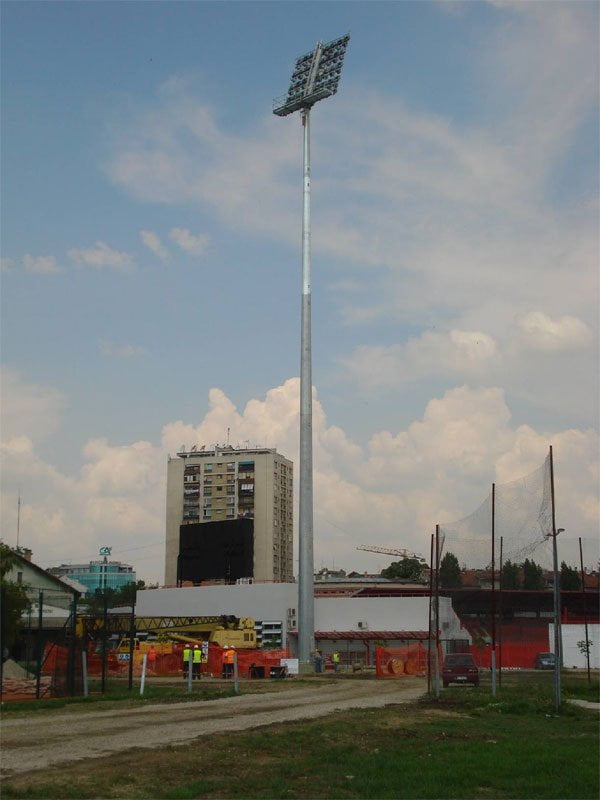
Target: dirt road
(39,741)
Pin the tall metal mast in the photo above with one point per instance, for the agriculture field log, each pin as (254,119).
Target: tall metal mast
(315,77)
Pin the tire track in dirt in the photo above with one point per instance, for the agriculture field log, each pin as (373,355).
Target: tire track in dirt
(37,742)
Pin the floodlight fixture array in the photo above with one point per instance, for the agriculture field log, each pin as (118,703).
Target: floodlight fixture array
(315,77)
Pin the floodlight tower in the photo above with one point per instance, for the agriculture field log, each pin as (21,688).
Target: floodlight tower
(315,77)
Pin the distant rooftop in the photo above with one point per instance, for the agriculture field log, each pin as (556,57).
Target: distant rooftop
(222,450)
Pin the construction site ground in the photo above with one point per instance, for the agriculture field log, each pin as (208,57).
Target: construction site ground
(33,741)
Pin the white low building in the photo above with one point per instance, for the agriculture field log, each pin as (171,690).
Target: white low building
(339,621)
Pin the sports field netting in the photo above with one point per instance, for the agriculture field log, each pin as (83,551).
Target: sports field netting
(521,513)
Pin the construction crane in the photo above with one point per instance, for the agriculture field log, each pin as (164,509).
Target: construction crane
(392,551)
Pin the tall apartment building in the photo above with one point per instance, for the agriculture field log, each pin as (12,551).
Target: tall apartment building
(252,488)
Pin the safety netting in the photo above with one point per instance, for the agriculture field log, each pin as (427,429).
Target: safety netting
(519,513)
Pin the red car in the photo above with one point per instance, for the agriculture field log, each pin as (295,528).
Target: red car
(460,668)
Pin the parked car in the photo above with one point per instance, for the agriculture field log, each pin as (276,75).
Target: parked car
(545,661)
(460,668)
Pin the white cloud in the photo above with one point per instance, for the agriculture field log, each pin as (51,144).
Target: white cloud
(6,264)
(28,410)
(195,244)
(391,492)
(540,332)
(153,243)
(42,265)
(120,350)
(457,353)
(432,218)
(101,255)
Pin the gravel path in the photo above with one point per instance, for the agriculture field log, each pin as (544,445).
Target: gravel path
(38,741)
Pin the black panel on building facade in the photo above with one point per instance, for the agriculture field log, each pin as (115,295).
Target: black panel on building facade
(216,551)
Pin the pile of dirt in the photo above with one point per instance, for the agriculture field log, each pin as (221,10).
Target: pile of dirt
(10,669)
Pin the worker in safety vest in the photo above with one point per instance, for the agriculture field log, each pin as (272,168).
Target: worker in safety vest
(197,662)
(336,660)
(186,660)
(228,656)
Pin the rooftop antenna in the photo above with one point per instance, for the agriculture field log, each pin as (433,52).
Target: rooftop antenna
(228,429)
(315,77)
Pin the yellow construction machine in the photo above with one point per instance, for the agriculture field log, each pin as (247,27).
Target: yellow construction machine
(222,630)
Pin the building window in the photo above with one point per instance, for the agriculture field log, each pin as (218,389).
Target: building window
(208,468)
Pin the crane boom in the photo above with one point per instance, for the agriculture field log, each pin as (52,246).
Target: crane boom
(391,551)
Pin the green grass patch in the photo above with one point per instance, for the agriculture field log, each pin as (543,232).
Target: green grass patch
(118,695)
(465,745)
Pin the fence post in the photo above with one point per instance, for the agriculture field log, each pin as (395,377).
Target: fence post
(84,673)
(72,647)
(143,682)
(131,643)
(236,685)
(39,645)
(104,626)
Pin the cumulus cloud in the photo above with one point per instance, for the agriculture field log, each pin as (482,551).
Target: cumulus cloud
(120,350)
(29,411)
(195,244)
(541,332)
(390,491)
(42,265)
(466,353)
(152,241)
(428,218)
(100,256)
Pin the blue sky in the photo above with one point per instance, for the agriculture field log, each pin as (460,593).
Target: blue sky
(151,210)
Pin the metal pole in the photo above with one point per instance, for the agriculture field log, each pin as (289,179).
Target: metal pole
(39,645)
(493,589)
(585,621)
(306,612)
(557,647)
(190,670)
(143,682)
(72,648)
(429,628)
(236,685)
(131,647)
(437,611)
(500,616)
(104,626)
(2,629)
(84,672)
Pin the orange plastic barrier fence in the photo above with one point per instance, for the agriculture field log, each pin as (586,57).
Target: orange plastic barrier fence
(397,662)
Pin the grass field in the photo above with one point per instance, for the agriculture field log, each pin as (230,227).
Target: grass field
(466,745)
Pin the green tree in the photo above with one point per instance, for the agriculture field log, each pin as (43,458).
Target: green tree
(408,568)
(510,575)
(14,597)
(450,574)
(533,576)
(124,596)
(569,578)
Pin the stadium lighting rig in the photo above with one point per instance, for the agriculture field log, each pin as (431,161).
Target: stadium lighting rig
(316,76)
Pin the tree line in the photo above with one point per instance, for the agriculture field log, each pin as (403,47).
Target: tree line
(527,575)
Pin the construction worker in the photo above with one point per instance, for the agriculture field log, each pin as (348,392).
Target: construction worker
(151,659)
(336,660)
(197,662)
(186,660)
(228,656)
